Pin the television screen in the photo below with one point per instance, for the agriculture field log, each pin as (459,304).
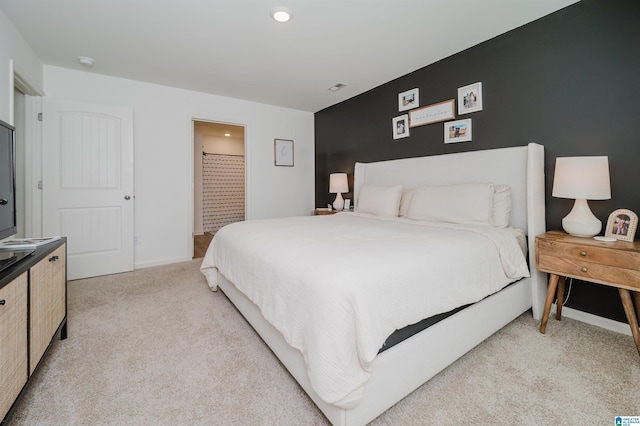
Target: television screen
(7,181)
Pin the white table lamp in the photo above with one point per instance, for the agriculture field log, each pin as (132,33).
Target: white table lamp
(337,185)
(582,178)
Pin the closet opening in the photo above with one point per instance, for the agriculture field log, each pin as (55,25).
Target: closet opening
(219,180)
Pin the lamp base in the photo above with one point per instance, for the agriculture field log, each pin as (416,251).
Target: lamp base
(338,204)
(580,222)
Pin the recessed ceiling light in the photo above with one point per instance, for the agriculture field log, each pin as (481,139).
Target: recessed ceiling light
(227,134)
(86,61)
(281,14)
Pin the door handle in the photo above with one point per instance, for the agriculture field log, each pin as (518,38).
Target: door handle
(3,201)
(126,197)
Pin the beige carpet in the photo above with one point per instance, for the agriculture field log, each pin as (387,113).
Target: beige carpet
(156,346)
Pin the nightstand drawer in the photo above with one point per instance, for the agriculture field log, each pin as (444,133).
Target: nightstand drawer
(589,271)
(588,253)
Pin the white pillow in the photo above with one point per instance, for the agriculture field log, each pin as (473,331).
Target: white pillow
(465,203)
(501,206)
(379,200)
(405,201)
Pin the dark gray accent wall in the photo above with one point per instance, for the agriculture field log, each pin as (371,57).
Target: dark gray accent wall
(569,81)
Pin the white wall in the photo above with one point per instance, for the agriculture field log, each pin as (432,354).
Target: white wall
(25,62)
(163,155)
(221,145)
(226,146)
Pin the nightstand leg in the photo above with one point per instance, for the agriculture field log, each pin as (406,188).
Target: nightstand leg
(636,296)
(561,282)
(551,291)
(631,315)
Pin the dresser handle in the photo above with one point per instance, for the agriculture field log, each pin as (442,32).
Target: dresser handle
(584,269)
(583,253)
(2,302)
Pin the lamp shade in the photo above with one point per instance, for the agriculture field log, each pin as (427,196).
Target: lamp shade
(582,178)
(338,183)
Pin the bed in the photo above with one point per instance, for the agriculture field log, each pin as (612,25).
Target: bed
(368,380)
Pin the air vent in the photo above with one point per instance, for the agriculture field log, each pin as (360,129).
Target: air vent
(336,87)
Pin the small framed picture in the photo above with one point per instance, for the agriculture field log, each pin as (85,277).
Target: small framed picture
(283,152)
(408,100)
(622,225)
(457,131)
(401,127)
(470,98)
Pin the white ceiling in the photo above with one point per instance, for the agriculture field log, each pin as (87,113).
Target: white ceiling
(233,48)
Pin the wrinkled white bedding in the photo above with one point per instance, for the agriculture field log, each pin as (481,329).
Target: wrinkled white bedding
(337,286)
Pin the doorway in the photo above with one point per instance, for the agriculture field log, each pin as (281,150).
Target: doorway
(219,179)
(27,106)
(21,163)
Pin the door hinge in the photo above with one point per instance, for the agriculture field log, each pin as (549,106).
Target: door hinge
(39,116)
(39,184)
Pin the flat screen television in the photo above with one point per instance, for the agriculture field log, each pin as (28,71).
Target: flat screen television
(8,224)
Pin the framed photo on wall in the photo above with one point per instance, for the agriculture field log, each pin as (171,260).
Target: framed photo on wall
(283,152)
(457,131)
(408,100)
(622,225)
(470,98)
(401,127)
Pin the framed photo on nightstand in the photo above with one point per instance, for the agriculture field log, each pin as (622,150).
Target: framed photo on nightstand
(622,225)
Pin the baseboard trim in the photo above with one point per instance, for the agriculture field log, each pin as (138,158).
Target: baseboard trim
(143,265)
(598,321)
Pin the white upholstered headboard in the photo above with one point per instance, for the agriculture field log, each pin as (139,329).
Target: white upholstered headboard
(520,167)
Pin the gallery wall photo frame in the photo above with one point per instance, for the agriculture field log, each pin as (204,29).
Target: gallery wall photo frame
(457,131)
(401,126)
(470,98)
(409,99)
(442,111)
(622,225)
(283,152)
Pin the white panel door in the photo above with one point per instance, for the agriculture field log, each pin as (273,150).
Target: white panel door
(88,185)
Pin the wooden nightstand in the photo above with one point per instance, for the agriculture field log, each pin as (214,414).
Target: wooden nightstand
(614,264)
(318,212)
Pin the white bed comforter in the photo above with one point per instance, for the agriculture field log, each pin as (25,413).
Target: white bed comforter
(337,286)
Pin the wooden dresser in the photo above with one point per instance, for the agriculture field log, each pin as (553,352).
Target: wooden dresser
(614,264)
(33,309)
